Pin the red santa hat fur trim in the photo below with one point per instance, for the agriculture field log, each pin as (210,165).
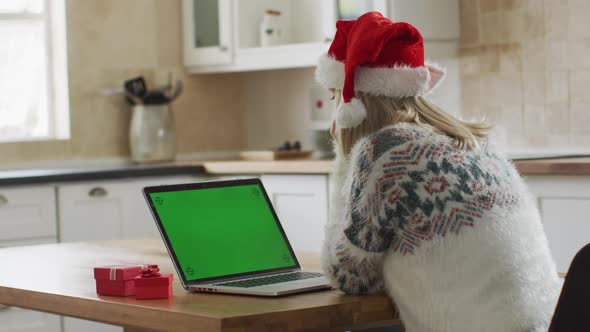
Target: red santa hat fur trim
(377,56)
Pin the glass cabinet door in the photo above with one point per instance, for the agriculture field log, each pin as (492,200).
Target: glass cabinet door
(207,32)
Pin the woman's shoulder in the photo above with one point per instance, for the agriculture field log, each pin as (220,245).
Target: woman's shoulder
(398,136)
(418,146)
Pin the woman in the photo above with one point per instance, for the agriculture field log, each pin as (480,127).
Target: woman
(421,206)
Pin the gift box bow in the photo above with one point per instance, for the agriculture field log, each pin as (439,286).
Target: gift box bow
(150,271)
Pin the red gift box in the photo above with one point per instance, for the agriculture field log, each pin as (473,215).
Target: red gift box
(116,280)
(153,285)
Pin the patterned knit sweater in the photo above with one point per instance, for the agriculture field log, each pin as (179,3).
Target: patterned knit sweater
(452,234)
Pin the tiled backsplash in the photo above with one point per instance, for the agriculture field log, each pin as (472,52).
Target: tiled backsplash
(525,65)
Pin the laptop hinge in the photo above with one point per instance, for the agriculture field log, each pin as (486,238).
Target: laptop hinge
(218,280)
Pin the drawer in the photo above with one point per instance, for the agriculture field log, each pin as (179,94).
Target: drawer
(15,319)
(22,320)
(27,212)
(93,211)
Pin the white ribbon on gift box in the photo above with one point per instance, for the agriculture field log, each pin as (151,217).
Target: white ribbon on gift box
(113,271)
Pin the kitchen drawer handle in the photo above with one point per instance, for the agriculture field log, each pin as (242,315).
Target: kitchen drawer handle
(3,200)
(223,48)
(97,192)
(4,307)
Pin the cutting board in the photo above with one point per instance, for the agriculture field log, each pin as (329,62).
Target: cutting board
(274,155)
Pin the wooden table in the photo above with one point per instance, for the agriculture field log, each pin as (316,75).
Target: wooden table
(58,278)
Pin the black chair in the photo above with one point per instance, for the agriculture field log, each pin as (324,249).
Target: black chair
(572,313)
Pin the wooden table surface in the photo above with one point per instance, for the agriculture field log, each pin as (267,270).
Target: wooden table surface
(58,278)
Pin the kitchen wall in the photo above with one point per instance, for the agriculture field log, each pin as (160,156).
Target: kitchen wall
(277,104)
(276,107)
(525,64)
(111,40)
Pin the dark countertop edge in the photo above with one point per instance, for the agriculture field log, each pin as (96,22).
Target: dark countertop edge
(527,166)
(98,174)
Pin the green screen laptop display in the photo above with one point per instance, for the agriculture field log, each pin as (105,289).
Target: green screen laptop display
(222,231)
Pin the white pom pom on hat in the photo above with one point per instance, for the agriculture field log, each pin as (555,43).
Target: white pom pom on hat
(374,55)
(350,114)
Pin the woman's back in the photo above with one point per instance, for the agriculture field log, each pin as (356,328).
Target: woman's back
(418,206)
(465,247)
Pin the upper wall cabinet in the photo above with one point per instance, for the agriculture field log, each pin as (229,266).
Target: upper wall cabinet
(233,35)
(207,32)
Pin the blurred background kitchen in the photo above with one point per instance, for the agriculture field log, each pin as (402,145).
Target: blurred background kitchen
(521,64)
(77,144)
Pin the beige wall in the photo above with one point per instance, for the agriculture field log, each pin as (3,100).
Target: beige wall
(276,107)
(525,65)
(111,40)
(277,104)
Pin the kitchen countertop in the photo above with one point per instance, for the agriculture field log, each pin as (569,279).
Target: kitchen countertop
(553,166)
(306,166)
(37,176)
(561,166)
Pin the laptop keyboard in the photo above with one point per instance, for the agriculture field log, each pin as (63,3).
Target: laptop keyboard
(271,280)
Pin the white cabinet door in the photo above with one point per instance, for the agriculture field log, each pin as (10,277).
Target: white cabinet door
(92,211)
(79,325)
(13,319)
(27,212)
(564,204)
(109,210)
(301,202)
(207,32)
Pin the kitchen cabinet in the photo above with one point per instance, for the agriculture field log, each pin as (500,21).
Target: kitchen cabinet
(564,205)
(96,211)
(74,325)
(15,319)
(207,32)
(27,212)
(224,35)
(107,210)
(301,203)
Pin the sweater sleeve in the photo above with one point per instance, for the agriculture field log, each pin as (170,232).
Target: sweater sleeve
(354,245)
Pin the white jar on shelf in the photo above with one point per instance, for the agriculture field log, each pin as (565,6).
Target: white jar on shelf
(272,29)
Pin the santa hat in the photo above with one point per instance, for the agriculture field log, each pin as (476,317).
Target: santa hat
(374,55)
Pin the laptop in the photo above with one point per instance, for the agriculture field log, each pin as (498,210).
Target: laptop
(225,237)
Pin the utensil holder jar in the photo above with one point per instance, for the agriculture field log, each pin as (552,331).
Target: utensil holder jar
(152,134)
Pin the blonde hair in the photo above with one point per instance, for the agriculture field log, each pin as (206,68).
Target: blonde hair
(385,111)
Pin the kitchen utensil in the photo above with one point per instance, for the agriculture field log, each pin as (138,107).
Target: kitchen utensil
(136,86)
(177,91)
(155,97)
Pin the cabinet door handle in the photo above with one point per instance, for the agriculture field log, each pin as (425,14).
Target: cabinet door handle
(97,192)
(4,307)
(223,48)
(3,200)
